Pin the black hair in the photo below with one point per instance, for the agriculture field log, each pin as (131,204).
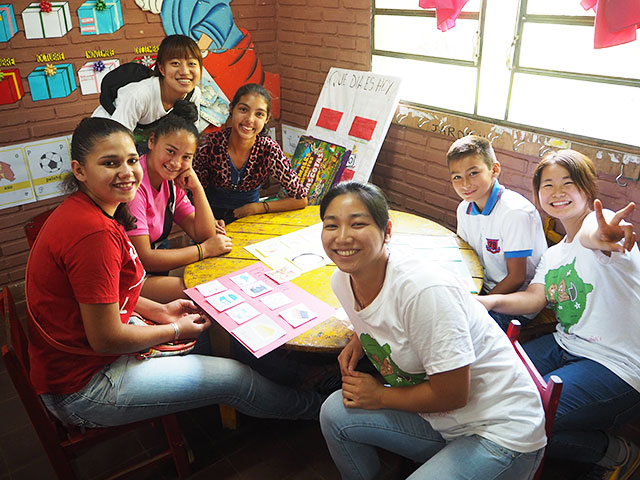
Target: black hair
(182,117)
(256,89)
(368,193)
(177,46)
(88,132)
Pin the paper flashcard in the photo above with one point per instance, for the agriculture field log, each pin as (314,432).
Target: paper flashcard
(282,274)
(329,119)
(297,315)
(15,185)
(276,300)
(290,137)
(211,288)
(225,300)
(256,288)
(242,313)
(242,279)
(259,333)
(48,161)
(362,128)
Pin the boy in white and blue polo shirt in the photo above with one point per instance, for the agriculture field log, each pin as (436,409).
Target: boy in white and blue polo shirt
(502,226)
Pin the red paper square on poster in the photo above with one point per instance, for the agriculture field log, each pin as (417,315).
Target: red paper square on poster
(329,119)
(362,128)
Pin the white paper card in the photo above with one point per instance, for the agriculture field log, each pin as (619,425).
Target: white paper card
(297,315)
(242,279)
(225,300)
(276,300)
(242,313)
(211,288)
(282,274)
(256,288)
(259,332)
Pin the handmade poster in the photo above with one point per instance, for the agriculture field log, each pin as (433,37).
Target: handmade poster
(99,18)
(297,315)
(48,161)
(355,109)
(214,105)
(267,329)
(8,25)
(52,81)
(91,74)
(11,89)
(42,22)
(211,288)
(15,184)
(441,249)
(319,166)
(300,251)
(290,137)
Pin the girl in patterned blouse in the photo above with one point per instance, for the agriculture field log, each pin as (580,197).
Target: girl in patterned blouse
(233,163)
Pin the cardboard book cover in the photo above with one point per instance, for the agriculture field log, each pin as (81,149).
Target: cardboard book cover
(319,166)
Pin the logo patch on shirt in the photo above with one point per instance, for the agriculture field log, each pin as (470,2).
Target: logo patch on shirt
(492,245)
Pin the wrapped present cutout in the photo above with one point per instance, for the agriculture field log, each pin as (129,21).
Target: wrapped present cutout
(91,74)
(146,60)
(8,25)
(41,24)
(58,85)
(11,89)
(96,19)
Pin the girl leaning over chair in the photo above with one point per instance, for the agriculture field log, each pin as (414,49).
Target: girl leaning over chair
(83,284)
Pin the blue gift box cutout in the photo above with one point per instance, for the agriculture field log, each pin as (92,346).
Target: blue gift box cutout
(96,22)
(44,87)
(8,25)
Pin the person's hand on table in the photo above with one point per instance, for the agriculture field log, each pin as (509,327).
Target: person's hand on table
(248,209)
(216,245)
(220,227)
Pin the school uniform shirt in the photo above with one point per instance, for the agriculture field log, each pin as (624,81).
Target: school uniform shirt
(596,299)
(509,226)
(150,205)
(423,322)
(141,103)
(82,255)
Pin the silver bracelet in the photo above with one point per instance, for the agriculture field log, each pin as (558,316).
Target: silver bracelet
(176,329)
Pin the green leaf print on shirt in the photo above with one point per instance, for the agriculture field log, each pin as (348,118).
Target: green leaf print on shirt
(380,356)
(567,294)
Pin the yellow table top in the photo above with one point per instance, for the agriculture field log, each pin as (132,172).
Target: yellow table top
(331,335)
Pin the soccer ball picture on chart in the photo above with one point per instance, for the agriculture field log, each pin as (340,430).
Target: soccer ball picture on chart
(51,162)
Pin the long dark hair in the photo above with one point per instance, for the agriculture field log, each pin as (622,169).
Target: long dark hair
(182,116)
(88,132)
(256,89)
(369,194)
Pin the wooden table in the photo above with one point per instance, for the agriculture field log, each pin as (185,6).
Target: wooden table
(332,335)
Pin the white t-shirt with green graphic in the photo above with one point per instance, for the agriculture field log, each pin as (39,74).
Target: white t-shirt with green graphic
(597,303)
(423,322)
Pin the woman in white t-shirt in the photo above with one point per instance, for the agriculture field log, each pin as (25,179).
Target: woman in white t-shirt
(457,400)
(591,279)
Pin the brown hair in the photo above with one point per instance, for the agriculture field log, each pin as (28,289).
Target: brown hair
(580,168)
(472,145)
(177,46)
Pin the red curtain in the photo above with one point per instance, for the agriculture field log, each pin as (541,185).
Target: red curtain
(446,11)
(616,21)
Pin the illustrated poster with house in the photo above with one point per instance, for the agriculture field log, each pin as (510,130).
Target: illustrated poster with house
(15,184)
(354,110)
(48,161)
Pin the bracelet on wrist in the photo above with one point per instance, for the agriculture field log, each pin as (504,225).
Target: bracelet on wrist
(199,251)
(265,204)
(176,331)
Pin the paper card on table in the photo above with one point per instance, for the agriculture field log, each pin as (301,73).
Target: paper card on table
(362,128)
(242,313)
(225,300)
(296,316)
(329,119)
(242,279)
(211,288)
(259,332)
(276,300)
(256,288)
(282,274)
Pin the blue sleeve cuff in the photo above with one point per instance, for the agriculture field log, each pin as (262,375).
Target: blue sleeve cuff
(518,254)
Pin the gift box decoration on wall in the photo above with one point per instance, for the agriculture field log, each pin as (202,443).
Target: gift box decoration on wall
(11,89)
(100,16)
(8,25)
(91,74)
(46,19)
(146,60)
(51,81)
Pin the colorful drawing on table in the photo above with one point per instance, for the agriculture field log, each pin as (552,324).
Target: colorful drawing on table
(243,279)
(287,296)
(282,274)
(211,288)
(242,313)
(440,249)
(225,300)
(259,332)
(297,315)
(300,251)
(256,288)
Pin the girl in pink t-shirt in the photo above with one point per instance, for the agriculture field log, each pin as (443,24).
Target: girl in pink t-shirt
(161,200)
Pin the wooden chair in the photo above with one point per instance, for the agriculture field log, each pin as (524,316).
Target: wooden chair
(549,391)
(62,442)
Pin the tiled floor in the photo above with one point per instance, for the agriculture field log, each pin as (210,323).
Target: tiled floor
(258,450)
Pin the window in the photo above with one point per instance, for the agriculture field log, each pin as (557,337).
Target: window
(529,63)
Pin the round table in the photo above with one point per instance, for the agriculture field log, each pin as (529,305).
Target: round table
(333,334)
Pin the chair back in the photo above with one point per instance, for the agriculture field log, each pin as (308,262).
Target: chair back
(17,336)
(33,226)
(549,391)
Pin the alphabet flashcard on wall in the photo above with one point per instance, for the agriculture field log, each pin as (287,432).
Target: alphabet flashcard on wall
(355,109)
(48,161)
(15,184)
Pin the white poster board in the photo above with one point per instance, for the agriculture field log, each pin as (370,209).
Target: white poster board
(15,184)
(49,160)
(354,110)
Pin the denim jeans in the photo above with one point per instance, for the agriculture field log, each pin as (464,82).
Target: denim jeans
(504,319)
(593,399)
(129,390)
(352,435)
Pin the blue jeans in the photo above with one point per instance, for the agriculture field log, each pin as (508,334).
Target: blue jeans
(352,435)
(504,319)
(129,390)
(593,399)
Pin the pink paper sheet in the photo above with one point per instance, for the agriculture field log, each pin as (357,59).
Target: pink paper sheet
(295,293)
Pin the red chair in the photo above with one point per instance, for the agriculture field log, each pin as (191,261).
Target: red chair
(63,442)
(549,391)
(34,225)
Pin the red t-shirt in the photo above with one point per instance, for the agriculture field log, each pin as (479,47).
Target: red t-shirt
(81,256)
